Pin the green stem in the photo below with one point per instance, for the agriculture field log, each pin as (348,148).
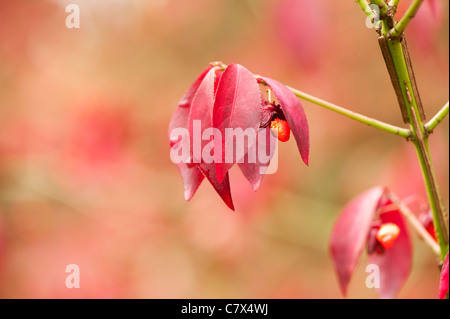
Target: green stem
(353,115)
(404,21)
(394,3)
(431,125)
(382,5)
(364,4)
(420,140)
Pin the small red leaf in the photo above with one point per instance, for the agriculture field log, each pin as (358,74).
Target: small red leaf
(201,110)
(237,105)
(295,116)
(443,286)
(201,114)
(350,233)
(263,149)
(187,98)
(394,263)
(222,188)
(192,177)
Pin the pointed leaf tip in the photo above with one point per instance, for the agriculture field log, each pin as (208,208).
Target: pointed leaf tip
(263,150)
(191,176)
(237,106)
(394,263)
(350,231)
(222,188)
(295,115)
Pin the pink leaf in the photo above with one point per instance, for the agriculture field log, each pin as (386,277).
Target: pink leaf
(200,115)
(263,149)
(187,98)
(219,73)
(394,263)
(222,188)
(350,232)
(192,177)
(295,115)
(201,110)
(443,286)
(237,105)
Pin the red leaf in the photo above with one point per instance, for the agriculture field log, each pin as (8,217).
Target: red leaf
(394,263)
(187,98)
(295,115)
(192,177)
(219,73)
(223,188)
(443,286)
(201,110)
(237,105)
(265,145)
(350,232)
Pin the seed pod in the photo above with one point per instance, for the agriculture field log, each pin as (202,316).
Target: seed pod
(388,234)
(281,129)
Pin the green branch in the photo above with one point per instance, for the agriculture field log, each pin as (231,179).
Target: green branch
(408,93)
(394,3)
(365,7)
(404,21)
(431,125)
(353,115)
(381,5)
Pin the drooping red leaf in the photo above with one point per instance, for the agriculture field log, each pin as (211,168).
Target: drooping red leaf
(201,111)
(237,105)
(394,263)
(200,116)
(443,286)
(187,98)
(350,233)
(192,177)
(223,188)
(264,149)
(295,115)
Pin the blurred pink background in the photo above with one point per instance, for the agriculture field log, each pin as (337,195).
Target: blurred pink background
(85,172)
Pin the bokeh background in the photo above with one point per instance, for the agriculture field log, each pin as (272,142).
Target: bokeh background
(85,172)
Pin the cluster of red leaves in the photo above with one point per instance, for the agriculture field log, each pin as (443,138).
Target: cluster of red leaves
(373,221)
(353,231)
(231,99)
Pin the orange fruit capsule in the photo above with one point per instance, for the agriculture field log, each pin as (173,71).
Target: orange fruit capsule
(387,235)
(281,129)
